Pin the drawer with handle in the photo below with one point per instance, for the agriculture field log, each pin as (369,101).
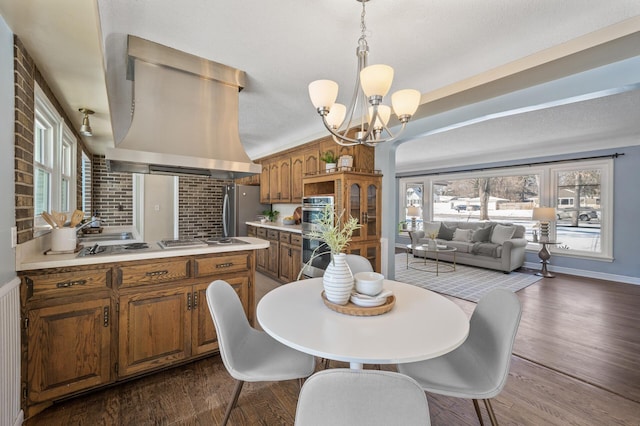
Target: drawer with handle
(153,272)
(214,265)
(296,240)
(65,283)
(285,237)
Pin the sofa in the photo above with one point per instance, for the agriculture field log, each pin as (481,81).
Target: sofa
(493,245)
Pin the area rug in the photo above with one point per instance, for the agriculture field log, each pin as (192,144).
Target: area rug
(466,282)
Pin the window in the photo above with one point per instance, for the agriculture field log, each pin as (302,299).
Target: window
(86,171)
(580,191)
(54,167)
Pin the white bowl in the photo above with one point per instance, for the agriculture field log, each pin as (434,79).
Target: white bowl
(369,283)
(366,302)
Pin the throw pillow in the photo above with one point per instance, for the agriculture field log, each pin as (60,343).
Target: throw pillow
(446,233)
(463,235)
(482,235)
(502,233)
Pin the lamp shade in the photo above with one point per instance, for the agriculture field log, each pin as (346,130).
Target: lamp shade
(376,80)
(413,211)
(336,115)
(405,102)
(384,113)
(544,214)
(323,93)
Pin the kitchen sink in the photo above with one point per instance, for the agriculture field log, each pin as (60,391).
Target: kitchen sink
(112,236)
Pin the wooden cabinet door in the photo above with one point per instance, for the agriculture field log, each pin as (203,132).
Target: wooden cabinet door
(296,261)
(265,190)
(297,171)
(68,348)
(154,329)
(203,332)
(284,178)
(273,255)
(311,162)
(286,265)
(363,201)
(274,182)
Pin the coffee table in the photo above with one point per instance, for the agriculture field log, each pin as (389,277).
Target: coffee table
(432,265)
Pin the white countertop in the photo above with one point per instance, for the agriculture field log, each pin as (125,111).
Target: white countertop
(31,255)
(279,226)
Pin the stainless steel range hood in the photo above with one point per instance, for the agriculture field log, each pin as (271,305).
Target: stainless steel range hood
(184,116)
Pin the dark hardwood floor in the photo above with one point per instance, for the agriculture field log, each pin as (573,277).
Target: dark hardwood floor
(576,361)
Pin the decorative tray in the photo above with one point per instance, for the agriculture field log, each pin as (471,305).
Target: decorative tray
(360,311)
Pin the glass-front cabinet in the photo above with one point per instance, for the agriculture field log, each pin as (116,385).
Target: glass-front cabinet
(363,197)
(359,195)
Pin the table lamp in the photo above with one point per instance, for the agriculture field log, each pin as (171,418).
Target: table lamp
(544,215)
(413,212)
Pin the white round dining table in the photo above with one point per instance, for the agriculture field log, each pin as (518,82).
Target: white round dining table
(421,325)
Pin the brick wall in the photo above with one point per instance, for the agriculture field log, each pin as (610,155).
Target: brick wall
(112,194)
(200,206)
(24,77)
(26,73)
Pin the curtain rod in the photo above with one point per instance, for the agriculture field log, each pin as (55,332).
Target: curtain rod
(479,169)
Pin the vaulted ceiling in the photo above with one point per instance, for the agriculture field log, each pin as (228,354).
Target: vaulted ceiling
(500,78)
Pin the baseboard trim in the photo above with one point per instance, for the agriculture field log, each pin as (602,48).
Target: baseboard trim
(587,274)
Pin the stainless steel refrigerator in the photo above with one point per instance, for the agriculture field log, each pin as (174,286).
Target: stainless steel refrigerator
(241,204)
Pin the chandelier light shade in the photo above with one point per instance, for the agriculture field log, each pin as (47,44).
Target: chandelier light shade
(85,128)
(366,112)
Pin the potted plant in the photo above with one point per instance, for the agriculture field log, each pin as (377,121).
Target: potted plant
(336,234)
(330,159)
(272,215)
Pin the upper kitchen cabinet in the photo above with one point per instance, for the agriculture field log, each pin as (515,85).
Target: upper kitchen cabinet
(282,173)
(265,189)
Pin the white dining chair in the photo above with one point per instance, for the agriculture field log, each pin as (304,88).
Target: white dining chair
(478,369)
(358,263)
(361,397)
(250,355)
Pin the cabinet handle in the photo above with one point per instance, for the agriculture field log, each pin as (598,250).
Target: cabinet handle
(71,283)
(224,265)
(106,316)
(156,273)
(195,299)
(188,301)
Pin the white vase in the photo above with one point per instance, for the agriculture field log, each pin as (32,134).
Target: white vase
(432,244)
(338,280)
(330,167)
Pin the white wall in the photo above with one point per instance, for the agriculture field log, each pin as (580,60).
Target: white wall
(7,206)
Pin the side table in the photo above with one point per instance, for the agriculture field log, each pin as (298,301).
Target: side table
(544,256)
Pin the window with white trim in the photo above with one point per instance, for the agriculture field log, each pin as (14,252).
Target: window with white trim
(54,161)
(581,192)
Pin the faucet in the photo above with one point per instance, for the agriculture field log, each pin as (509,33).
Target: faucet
(87,223)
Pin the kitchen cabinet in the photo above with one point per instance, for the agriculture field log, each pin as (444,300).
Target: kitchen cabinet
(67,333)
(261,255)
(265,188)
(273,253)
(290,256)
(362,201)
(358,195)
(282,173)
(283,259)
(89,326)
(297,172)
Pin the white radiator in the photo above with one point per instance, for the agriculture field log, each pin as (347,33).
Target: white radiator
(10,414)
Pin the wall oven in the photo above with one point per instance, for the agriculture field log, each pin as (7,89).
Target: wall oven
(312,208)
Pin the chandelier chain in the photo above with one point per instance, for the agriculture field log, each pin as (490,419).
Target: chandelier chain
(363,26)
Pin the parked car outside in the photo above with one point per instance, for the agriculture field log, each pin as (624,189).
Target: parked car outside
(585,214)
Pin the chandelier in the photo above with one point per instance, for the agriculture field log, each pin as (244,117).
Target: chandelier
(366,109)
